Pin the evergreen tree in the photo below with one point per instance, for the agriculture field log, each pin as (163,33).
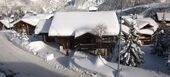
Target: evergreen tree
(131,54)
(161,40)
(161,43)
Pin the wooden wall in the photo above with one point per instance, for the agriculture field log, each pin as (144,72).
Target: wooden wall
(65,41)
(95,42)
(87,42)
(47,38)
(22,25)
(145,39)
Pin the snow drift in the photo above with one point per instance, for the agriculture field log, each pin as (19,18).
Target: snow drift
(99,61)
(2,75)
(35,46)
(109,69)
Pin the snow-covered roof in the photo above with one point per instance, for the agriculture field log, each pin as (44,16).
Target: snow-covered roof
(34,19)
(7,22)
(125,29)
(146,31)
(28,14)
(93,8)
(43,26)
(143,25)
(143,22)
(165,16)
(71,23)
(82,31)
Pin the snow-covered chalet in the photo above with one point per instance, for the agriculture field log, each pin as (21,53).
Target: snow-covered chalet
(29,22)
(85,31)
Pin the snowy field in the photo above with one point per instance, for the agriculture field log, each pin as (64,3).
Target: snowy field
(20,57)
(15,61)
(154,66)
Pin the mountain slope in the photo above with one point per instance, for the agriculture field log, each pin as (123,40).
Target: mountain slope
(49,6)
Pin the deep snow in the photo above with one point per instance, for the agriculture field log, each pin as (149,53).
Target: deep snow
(81,64)
(26,64)
(154,66)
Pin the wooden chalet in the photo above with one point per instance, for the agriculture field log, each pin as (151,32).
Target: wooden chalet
(76,31)
(145,28)
(30,22)
(146,36)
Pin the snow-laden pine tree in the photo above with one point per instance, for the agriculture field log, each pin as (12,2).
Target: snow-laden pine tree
(131,54)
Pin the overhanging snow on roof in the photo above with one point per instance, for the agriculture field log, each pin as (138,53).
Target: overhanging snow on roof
(67,23)
(82,31)
(43,26)
(7,22)
(146,31)
(146,22)
(33,20)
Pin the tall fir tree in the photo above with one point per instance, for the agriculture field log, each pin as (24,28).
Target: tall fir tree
(131,54)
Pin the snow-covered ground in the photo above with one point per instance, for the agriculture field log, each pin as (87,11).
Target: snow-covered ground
(154,62)
(148,69)
(28,65)
(22,63)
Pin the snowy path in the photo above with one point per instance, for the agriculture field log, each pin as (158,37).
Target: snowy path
(20,61)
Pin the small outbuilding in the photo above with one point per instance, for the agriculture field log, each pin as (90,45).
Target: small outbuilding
(30,22)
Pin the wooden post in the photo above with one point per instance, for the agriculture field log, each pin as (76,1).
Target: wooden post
(44,38)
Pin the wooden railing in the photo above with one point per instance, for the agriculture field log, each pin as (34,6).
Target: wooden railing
(92,46)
